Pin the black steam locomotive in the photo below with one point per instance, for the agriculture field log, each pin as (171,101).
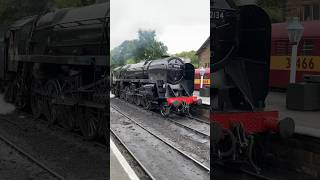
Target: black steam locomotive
(241,42)
(163,83)
(55,64)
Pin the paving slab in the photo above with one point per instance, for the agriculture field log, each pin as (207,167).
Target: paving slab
(307,122)
(205,100)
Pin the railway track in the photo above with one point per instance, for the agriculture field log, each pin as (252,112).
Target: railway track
(99,144)
(146,171)
(203,127)
(184,154)
(199,120)
(61,153)
(188,127)
(31,158)
(241,172)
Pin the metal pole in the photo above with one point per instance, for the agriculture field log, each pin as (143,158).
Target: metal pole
(201,82)
(293,66)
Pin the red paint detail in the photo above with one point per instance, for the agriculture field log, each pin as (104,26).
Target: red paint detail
(281,78)
(197,71)
(280,34)
(188,99)
(253,122)
(196,86)
(279,30)
(197,76)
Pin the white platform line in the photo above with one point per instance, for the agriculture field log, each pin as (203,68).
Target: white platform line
(127,168)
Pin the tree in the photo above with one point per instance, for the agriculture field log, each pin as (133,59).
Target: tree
(71,3)
(131,61)
(146,47)
(274,8)
(15,9)
(190,55)
(11,10)
(123,52)
(66,3)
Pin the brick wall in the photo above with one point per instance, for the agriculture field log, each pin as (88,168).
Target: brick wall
(204,57)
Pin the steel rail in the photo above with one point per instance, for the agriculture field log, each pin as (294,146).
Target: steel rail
(132,155)
(61,129)
(176,122)
(187,127)
(34,160)
(167,143)
(198,119)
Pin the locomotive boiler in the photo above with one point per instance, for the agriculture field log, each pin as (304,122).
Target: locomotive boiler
(166,84)
(55,64)
(241,40)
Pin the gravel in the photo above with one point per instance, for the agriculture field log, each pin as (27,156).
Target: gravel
(63,152)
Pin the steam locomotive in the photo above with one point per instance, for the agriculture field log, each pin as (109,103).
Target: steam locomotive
(166,84)
(241,41)
(55,64)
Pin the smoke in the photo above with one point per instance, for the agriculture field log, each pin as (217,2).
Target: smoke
(5,108)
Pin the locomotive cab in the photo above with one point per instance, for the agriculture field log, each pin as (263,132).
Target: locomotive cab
(241,41)
(241,59)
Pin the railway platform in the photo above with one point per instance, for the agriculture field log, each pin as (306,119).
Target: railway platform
(119,167)
(307,122)
(205,100)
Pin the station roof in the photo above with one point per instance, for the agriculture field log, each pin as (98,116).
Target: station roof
(311,29)
(203,46)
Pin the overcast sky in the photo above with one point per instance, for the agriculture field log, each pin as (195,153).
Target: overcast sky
(182,25)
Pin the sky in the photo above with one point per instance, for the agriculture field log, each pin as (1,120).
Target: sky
(182,25)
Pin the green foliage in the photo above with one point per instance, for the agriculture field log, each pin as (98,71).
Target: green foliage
(66,3)
(11,10)
(148,47)
(190,55)
(71,3)
(15,9)
(133,51)
(120,54)
(131,61)
(274,8)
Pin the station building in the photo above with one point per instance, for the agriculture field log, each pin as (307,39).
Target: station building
(204,54)
(306,10)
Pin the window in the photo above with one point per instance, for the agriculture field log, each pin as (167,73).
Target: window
(307,14)
(282,48)
(310,12)
(307,47)
(316,12)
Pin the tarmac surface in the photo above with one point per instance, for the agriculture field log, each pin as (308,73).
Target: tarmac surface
(307,122)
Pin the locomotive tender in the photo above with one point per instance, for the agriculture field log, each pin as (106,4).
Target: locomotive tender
(55,64)
(166,83)
(241,41)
